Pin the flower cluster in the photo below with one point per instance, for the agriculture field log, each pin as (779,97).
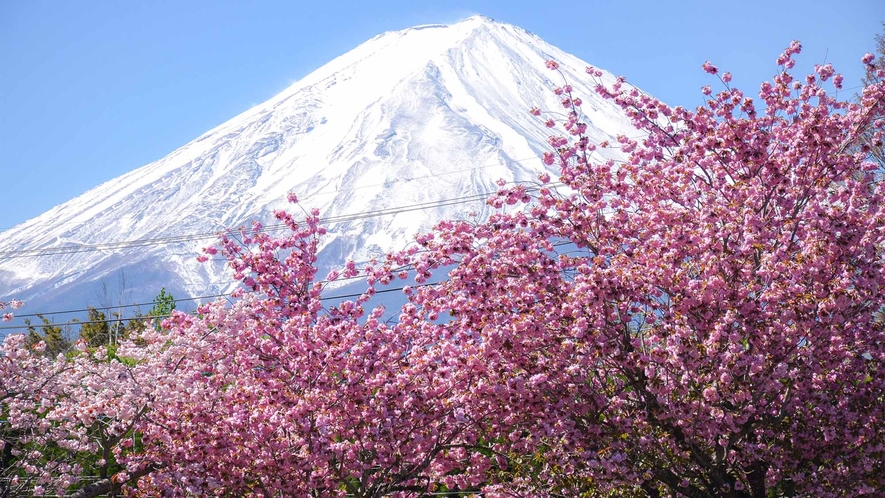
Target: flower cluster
(14,304)
(701,319)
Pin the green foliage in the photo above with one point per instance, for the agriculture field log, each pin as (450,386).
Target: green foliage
(134,326)
(53,335)
(96,330)
(164,303)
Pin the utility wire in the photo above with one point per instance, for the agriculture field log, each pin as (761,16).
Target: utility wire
(113,307)
(359,276)
(277,226)
(327,298)
(127,244)
(211,235)
(205,235)
(431,175)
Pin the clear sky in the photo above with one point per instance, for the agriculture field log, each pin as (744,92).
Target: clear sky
(90,90)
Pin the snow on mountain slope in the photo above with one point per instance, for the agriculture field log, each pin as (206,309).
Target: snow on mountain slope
(420,116)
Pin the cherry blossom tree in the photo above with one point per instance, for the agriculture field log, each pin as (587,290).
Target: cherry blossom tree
(702,319)
(70,422)
(288,396)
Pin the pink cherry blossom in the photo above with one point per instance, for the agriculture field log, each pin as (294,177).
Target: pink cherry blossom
(701,318)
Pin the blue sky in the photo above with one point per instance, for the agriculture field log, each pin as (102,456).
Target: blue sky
(90,90)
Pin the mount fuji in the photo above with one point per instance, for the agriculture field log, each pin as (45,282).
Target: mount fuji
(408,128)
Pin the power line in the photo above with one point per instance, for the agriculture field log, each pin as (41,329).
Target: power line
(277,226)
(355,216)
(127,244)
(359,276)
(431,175)
(133,305)
(66,324)
(209,235)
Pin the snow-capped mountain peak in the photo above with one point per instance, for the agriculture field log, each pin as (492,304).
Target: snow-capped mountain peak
(408,128)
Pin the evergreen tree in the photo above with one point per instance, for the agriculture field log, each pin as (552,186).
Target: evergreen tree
(164,304)
(96,329)
(52,335)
